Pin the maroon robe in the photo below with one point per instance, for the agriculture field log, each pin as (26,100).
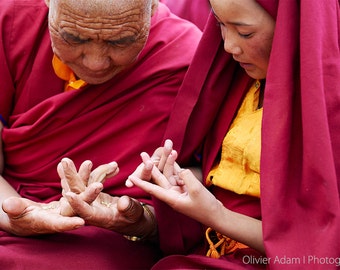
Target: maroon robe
(114,121)
(300,152)
(196,11)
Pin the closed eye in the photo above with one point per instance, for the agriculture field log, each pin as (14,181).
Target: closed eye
(245,35)
(71,39)
(122,42)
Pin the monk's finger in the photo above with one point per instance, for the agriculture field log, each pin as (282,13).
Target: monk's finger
(103,171)
(147,168)
(163,194)
(74,182)
(85,171)
(168,146)
(91,192)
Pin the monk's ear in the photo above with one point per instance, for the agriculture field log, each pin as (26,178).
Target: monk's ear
(153,7)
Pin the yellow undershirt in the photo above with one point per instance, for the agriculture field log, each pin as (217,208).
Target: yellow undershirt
(66,74)
(239,167)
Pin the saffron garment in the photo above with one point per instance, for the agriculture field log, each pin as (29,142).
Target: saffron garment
(300,142)
(196,11)
(114,121)
(239,167)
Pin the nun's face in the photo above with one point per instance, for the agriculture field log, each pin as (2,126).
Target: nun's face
(247,30)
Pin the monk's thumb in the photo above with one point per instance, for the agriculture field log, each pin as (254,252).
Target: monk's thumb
(187,176)
(129,208)
(14,206)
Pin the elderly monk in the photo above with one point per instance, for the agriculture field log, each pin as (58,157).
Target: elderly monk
(87,80)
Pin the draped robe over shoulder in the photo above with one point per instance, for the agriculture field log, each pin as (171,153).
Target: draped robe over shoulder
(196,11)
(114,121)
(300,149)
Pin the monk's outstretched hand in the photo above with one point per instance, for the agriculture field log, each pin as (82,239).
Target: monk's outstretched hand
(77,181)
(26,218)
(158,159)
(121,214)
(179,188)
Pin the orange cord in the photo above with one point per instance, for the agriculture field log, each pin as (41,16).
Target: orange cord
(224,244)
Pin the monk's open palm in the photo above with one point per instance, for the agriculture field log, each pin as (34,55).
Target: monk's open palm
(26,217)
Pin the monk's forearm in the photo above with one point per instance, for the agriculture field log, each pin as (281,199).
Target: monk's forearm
(241,228)
(6,190)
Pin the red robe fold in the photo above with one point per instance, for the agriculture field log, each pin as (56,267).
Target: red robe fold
(196,11)
(114,121)
(300,152)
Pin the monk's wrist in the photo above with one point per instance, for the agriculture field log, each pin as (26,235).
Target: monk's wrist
(149,224)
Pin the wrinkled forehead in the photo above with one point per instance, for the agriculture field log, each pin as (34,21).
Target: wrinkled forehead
(108,19)
(95,8)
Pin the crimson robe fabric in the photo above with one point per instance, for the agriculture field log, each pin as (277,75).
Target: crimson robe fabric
(300,151)
(196,11)
(114,121)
